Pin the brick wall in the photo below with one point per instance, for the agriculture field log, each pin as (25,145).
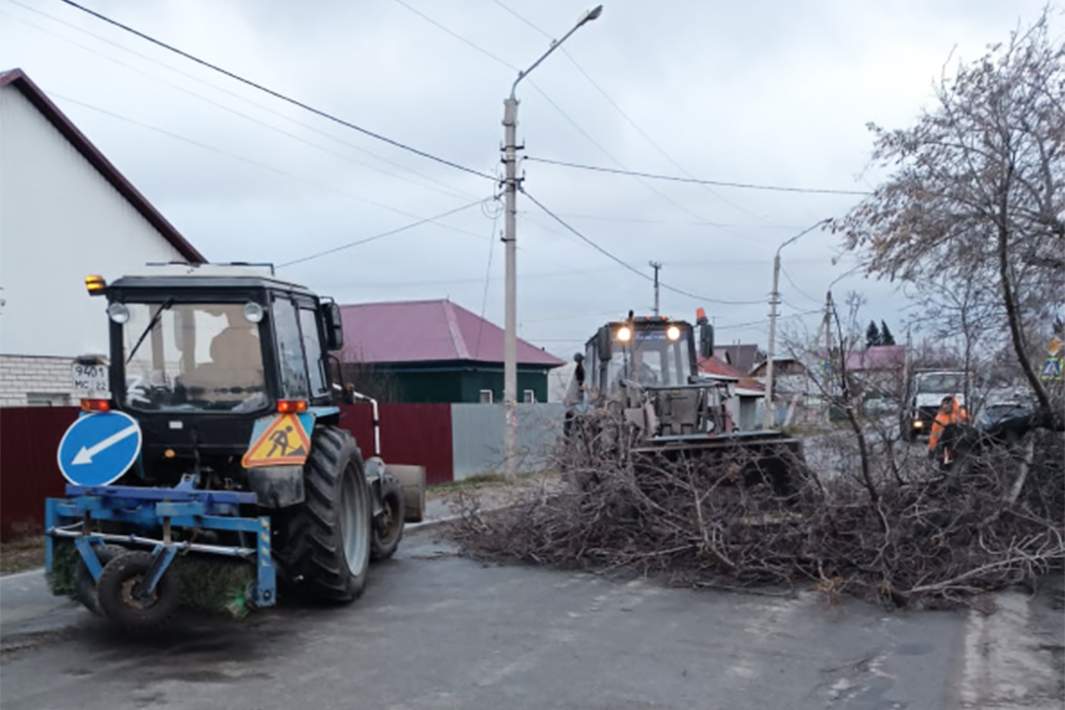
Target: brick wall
(30,379)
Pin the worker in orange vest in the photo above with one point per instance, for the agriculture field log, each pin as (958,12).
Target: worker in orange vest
(945,427)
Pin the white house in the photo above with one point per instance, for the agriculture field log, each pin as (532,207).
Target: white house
(65,212)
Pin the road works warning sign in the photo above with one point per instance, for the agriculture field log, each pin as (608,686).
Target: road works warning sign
(283,443)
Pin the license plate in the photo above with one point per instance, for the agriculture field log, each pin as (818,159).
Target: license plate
(90,379)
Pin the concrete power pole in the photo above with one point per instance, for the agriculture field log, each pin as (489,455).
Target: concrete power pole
(510,319)
(510,239)
(828,356)
(774,299)
(656,265)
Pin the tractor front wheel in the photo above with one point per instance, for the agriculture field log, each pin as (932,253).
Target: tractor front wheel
(327,542)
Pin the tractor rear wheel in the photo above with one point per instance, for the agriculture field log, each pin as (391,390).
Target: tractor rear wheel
(328,536)
(388,527)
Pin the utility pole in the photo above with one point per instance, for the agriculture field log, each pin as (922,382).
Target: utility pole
(656,265)
(830,381)
(774,301)
(511,184)
(510,318)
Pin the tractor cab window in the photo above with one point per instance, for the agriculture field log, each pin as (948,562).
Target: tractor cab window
(312,345)
(940,382)
(651,358)
(192,356)
(294,383)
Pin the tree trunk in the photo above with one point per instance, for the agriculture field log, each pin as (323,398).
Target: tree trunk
(1046,414)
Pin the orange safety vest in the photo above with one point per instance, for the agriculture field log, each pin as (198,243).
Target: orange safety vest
(957,414)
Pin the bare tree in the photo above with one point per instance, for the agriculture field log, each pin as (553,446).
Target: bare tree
(976,192)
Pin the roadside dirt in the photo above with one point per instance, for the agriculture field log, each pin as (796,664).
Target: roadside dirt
(21,554)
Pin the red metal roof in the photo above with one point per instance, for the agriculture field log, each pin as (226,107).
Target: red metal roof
(18,79)
(714,366)
(427,331)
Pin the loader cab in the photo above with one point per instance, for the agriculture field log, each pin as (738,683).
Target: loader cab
(198,355)
(651,352)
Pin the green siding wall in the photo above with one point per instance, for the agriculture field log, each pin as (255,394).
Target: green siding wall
(457,382)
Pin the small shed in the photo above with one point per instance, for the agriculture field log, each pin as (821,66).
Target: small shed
(435,351)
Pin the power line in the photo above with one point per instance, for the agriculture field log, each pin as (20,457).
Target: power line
(278,95)
(763,321)
(262,166)
(796,287)
(698,181)
(487,281)
(625,264)
(562,112)
(621,112)
(380,235)
(437,186)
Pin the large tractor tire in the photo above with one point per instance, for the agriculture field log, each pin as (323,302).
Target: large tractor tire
(326,549)
(388,525)
(119,598)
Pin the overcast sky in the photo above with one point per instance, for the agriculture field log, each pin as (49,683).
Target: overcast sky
(758,91)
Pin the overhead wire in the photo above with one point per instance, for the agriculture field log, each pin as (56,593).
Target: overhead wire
(435,185)
(798,290)
(621,112)
(554,104)
(613,257)
(263,166)
(380,235)
(678,178)
(279,95)
(487,281)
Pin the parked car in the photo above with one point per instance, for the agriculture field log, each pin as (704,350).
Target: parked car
(1004,422)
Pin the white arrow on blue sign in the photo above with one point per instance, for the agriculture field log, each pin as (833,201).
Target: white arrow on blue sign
(97,449)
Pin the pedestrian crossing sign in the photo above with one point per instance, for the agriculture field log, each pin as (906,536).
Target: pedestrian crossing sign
(282,442)
(1052,368)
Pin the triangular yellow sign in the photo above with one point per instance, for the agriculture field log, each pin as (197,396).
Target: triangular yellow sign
(283,443)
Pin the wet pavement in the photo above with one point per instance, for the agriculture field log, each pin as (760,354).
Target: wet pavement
(435,630)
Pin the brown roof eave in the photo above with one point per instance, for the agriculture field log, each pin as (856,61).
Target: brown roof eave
(81,143)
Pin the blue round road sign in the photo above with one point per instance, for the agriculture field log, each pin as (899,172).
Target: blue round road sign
(97,449)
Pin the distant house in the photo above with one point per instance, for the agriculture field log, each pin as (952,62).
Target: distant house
(742,356)
(65,211)
(789,375)
(879,371)
(746,404)
(435,351)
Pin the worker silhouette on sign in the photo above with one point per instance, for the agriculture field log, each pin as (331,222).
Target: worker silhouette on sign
(279,439)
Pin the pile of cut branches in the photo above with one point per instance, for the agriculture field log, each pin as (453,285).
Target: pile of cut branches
(914,537)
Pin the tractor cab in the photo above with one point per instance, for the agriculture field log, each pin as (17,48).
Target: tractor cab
(649,352)
(650,366)
(198,353)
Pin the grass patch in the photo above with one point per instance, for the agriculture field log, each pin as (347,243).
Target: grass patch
(489,479)
(21,554)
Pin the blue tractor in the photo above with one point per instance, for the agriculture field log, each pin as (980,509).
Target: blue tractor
(211,441)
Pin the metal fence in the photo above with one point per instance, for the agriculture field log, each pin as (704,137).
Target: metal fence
(477,437)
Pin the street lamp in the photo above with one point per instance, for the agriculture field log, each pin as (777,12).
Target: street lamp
(774,301)
(510,236)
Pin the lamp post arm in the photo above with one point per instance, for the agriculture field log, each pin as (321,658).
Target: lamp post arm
(555,44)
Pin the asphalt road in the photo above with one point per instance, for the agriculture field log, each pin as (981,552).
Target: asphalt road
(438,631)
